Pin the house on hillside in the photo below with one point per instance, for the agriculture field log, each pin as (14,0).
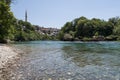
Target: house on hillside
(48,31)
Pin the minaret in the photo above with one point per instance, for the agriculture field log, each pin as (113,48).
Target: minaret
(26,16)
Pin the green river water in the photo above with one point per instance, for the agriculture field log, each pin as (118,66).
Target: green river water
(57,60)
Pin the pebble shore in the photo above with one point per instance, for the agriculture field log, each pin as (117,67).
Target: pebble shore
(9,55)
(6,54)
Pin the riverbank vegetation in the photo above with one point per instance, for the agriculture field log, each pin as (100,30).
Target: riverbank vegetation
(91,29)
(12,29)
(81,29)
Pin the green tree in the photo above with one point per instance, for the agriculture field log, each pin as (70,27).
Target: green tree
(6,22)
(85,29)
(67,27)
(115,20)
(80,28)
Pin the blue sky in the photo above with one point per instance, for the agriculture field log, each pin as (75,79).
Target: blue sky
(55,13)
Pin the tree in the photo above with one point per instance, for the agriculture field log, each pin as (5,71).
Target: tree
(84,29)
(117,30)
(67,27)
(6,22)
(80,28)
(115,20)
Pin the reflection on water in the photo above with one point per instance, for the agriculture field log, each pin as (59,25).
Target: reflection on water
(55,60)
(93,54)
(81,58)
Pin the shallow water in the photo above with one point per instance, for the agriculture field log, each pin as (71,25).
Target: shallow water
(57,60)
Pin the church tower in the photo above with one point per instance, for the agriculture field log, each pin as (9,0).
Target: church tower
(26,16)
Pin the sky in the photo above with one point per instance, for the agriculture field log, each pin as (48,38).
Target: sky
(55,13)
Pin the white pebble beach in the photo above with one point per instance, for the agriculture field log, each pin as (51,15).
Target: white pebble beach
(6,54)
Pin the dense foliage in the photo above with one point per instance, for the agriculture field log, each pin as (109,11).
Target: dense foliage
(91,29)
(24,31)
(6,21)
(12,29)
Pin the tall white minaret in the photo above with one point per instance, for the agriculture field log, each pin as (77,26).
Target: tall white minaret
(26,16)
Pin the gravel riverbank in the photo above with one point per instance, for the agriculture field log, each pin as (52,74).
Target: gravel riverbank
(8,57)
(6,54)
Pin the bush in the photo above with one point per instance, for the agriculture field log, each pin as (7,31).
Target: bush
(68,37)
(87,39)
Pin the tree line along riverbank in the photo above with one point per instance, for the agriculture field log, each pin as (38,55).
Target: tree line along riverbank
(94,29)
(12,29)
(80,29)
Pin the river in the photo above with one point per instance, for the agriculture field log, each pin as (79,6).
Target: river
(57,60)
